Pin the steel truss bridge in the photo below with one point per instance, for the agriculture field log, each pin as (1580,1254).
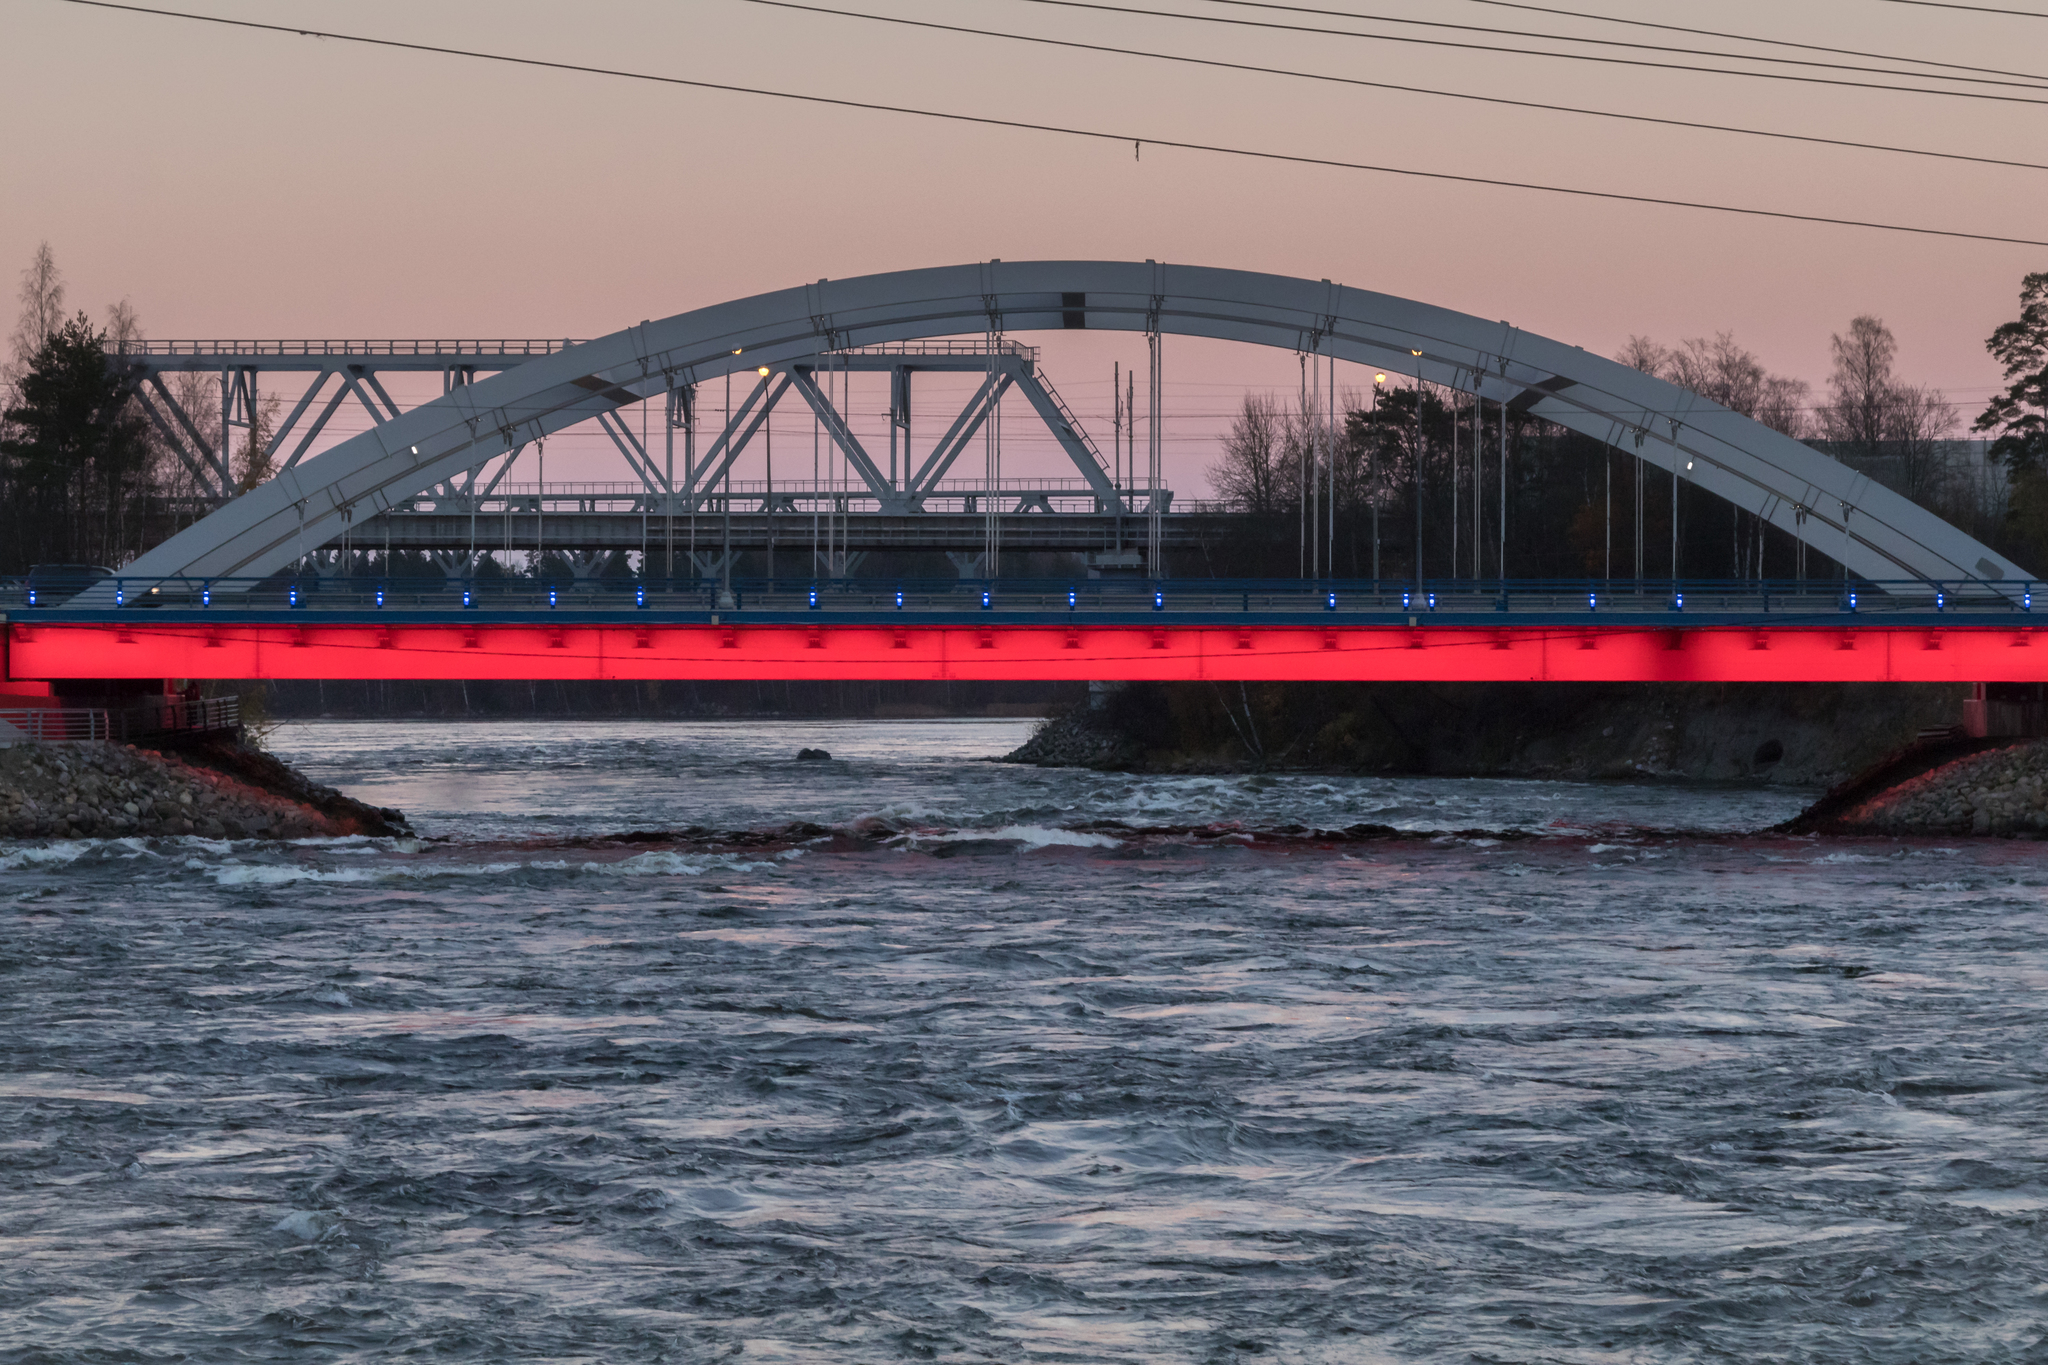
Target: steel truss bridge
(1180,630)
(883,506)
(1929,602)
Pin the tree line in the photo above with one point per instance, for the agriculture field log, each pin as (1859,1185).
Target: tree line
(1400,481)
(1407,482)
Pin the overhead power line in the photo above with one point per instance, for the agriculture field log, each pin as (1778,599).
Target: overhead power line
(1836,81)
(1748,38)
(1387,85)
(1020,125)
(1977,9)
(2031,81)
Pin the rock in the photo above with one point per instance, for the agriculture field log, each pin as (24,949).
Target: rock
(812,756)
(306,1225)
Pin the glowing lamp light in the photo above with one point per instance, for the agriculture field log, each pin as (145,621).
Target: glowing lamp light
(763,371)
(1379,379)
(1414,353)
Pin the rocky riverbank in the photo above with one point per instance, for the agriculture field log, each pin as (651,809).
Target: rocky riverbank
(105,790)
(1809,735)
(1999,791)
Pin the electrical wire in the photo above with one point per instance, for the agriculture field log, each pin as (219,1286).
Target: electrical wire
(1747,38)
(2031,81)
(1386,85)
(1020,125)
(1976,9)
(1534,52)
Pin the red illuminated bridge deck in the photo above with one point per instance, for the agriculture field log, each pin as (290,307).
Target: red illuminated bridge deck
(1192,632)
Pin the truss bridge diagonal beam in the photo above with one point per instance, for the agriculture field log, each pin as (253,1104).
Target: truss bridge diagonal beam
(979,406)
(804,377)
(1874,533)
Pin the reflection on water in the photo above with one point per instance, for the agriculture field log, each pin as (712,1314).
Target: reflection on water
(908,1054)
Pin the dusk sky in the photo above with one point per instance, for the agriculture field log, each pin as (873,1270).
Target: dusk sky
(240,183)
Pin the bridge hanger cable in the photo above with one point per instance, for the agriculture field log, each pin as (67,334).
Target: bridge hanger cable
(1021,125)
(1747,38)
(1386,85)
(1838,81)
(2029,78)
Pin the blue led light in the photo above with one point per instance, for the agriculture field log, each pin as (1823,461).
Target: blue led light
(380,597)
(1592,601)
(552,598)
(1073,599)
(1330,603)
(205,597)
(814,599)
(1941,601)
(293,596)
(1678,601)
(120,597)
(1159,600)
(31,596)
(1406,598)
(987,600)
(899,599)
(640,596)
(467,601)
(1432,601)
(2026,601)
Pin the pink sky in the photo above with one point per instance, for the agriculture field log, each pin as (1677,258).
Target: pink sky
(257,185)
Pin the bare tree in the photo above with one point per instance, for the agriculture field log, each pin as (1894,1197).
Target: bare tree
(1860,389)
(1917,429)
(124,328)
(1641,353)
(42,304)
(1254,468)
(1782,406)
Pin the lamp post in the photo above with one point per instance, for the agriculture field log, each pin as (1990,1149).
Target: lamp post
(1373,473)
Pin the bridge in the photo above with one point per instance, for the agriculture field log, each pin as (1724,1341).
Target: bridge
(240,593)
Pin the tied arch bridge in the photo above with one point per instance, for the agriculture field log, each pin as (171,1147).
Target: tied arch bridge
(1920,600)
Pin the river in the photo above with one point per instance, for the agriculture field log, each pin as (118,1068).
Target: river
(659,1045)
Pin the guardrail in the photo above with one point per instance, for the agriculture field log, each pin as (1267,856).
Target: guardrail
(229,349)
(71,724)
(1596,600)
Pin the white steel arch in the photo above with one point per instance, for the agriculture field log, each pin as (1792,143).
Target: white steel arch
(1843,514)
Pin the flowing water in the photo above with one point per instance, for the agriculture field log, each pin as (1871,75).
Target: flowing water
(661,1046)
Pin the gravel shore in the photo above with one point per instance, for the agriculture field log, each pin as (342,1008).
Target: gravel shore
(2000,792)
(106,790)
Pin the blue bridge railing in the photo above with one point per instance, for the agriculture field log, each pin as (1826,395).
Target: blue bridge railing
(1439,600)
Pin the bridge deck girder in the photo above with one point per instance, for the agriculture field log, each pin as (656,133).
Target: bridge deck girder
(484,647)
